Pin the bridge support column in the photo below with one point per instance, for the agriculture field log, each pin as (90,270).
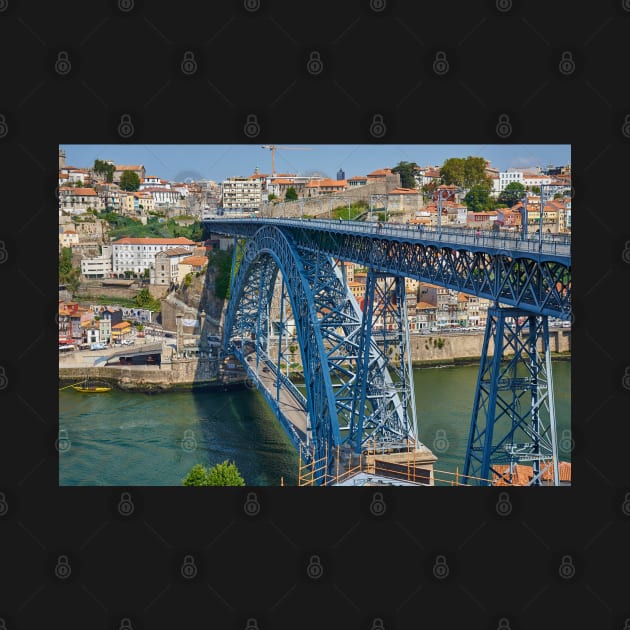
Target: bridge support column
(513,419)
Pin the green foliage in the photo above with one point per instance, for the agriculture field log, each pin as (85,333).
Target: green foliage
(271,196)
(69,275)
(465,172)
(477,199)
(406,172)
(187,280)
(129,181)
(197,476)
(144,299)
(223,474)
(221,262)
(122,226)
(103,168)
(356,208)
(291,194)
(512,194)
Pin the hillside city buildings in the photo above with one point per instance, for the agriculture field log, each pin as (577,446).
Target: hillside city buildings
(166,262)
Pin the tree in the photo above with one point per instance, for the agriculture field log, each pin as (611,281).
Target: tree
(406,172)
(104,168)
(291,194)
(477,199)
(224,474)
(272,196)
(465,172)
(512,194)
(197,476)
(129,181)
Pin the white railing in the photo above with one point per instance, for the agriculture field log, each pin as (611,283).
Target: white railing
(557,244)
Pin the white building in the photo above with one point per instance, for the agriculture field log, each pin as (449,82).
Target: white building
(165,270)
(138,254)
(242,192)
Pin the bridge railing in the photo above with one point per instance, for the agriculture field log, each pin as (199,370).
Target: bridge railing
(557,244)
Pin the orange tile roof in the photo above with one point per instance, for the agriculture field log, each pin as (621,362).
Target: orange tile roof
(121,325)
(523,474)
(358,177)
(195,261)
(403,191)
(128,240)
(86,192)
(380,172)
(281,181)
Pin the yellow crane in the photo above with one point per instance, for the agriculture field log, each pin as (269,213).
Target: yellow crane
(273,148)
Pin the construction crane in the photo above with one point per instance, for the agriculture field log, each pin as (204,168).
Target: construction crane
(273,148)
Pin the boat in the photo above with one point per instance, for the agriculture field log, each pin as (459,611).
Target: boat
(94,387)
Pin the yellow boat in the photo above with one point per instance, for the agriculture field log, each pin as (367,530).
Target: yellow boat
(91,388)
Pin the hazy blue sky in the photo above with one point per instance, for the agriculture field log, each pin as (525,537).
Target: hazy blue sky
(218,162)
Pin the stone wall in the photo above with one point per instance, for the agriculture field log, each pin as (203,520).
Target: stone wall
(181,374)
(320,206)
(426,348)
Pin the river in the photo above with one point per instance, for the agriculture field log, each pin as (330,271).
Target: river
(134,439)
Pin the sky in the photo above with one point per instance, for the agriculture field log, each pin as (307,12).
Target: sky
(218,162)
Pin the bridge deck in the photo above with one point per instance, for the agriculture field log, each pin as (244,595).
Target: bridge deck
(458,237)
(288,404)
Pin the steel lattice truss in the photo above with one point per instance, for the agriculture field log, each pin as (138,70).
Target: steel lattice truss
(537,282)
(337,347)
(513,416)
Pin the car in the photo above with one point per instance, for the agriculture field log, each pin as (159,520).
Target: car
(98,346)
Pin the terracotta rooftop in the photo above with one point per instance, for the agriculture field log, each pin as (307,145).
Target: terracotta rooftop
(128,240)
(195,261)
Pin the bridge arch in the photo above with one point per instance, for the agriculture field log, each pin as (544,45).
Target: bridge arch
(266,253)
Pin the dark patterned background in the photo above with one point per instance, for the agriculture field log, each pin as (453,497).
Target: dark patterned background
(323,72)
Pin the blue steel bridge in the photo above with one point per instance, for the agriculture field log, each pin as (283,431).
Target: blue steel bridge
(288,290)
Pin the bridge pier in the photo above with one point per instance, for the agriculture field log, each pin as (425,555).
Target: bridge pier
(513,418)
